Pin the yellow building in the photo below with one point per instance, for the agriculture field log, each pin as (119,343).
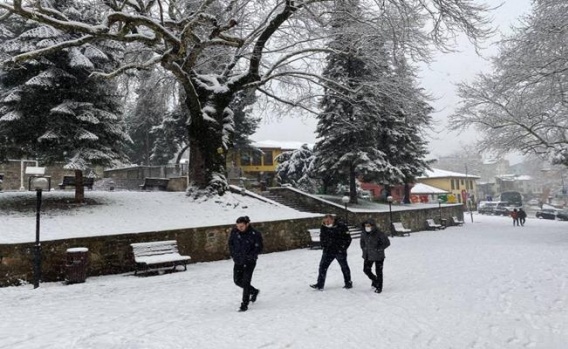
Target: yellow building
(258,164)
(459,185)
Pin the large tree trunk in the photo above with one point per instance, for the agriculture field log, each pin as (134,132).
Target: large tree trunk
(79,188)
(352,185)
(207,151)
(406,199)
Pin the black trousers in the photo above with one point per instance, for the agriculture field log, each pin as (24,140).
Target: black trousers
(326,259)
(376,278)
(242,275)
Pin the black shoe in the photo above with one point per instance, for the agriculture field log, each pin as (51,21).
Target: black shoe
(348,285)
(378,290)
(253,295)
(244,307)
(316,287)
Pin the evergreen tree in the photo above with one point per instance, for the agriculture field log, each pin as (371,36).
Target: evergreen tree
(296,167)
(151,105)
(347,142)
(51,110)
(403,114)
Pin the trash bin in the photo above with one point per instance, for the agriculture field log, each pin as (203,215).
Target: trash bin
(444,222)
(76,267)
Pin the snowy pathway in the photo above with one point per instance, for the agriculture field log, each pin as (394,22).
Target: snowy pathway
(485,285)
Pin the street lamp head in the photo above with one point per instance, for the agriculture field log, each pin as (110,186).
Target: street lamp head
(40,183)
(389,199)
(345,199)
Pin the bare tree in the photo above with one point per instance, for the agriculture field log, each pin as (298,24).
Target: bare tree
(522,105)
(216,48)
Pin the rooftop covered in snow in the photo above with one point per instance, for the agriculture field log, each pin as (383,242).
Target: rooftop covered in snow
(437,173)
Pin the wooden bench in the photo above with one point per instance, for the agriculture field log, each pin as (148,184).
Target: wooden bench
(431,225)
(69,181)
(315,242)
(155,183)
(399,229)
(158,254)
(457,221)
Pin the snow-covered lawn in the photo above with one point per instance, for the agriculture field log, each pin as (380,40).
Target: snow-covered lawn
(485,285)
(129,212)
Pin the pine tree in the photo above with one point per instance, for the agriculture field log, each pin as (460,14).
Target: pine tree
(51,110)
(296,167)
(347,145)
(403,114)
(150,105)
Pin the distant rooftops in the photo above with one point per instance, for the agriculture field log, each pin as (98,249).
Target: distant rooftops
(437,173)
(284,145)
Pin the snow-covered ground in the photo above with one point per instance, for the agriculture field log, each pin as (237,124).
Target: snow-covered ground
(485,285)
(129,212)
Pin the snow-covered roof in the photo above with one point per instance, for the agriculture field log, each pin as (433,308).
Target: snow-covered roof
(437,173)
(421,188)
(280,144)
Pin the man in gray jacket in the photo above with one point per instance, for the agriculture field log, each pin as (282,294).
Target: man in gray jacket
(373,244)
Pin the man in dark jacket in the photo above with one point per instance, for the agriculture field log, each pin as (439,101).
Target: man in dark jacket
(522,216)
(334,239)
(373,244)
(245,244)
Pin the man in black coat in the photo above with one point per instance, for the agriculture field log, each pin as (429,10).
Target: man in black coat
(373,244)
(334,239)
(245,244)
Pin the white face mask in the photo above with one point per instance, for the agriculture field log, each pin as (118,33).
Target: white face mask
(368,229)
(329,225)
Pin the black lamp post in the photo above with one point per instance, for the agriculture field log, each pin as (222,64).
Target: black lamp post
(345,201)
(440,209)
(39,184)
(389,199)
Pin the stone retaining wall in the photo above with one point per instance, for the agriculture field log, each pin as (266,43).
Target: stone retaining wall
(112,254)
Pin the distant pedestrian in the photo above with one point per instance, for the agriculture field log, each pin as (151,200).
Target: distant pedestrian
(515,216)
(334,239)
(373,243)
(245,244)
(522,216)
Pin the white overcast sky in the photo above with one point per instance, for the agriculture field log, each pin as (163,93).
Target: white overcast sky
(438,78)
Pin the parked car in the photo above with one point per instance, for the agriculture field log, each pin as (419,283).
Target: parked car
(546,213)
(486,208)
(562,215)
(533,202)
(502,209)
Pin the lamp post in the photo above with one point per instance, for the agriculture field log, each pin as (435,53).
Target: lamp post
(345,200)
(39,184)
(389,199)
(440,209)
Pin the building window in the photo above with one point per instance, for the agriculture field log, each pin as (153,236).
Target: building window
(462,182)
(268,158)
(452,184)
(245,158)
(257,158)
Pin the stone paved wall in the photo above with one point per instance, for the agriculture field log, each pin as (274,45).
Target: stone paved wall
(112,254)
